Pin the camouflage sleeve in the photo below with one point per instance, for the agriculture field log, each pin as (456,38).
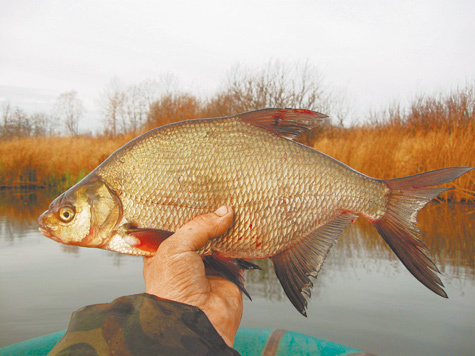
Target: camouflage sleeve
(141,324)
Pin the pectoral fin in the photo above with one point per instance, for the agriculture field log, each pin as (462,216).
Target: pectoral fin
(147,239)
(294,266)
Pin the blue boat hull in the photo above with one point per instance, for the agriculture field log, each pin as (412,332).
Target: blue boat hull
(247,342)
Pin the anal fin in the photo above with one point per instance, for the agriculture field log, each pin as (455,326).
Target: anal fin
(295,265)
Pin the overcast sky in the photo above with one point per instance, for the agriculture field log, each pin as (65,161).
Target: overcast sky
(376,52)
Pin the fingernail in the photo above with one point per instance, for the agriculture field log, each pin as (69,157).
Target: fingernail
(222,211)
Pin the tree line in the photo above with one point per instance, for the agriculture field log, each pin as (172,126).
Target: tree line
(275,84)
(154,103)
(64,119)
(151,103)
(133,109)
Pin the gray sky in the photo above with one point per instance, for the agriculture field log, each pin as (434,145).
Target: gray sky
(376,52)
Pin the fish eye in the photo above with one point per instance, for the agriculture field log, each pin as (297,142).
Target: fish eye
(66,214)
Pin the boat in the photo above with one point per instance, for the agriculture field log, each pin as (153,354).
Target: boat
(248,342)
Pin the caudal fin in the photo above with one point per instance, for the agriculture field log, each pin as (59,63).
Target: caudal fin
(409,195)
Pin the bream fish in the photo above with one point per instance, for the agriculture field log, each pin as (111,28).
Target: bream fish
(291,202)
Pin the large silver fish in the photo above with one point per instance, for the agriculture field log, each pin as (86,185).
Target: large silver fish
(290,201)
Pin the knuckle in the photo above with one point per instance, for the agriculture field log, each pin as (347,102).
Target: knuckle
(203,220)
(202,224)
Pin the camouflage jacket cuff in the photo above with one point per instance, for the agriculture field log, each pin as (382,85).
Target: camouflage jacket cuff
(141,324)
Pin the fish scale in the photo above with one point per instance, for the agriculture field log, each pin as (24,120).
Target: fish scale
(290,201)
(183,182)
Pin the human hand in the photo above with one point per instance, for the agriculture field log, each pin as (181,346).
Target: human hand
(177,273)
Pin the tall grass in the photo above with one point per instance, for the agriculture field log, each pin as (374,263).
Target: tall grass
(53,161)
(434,133)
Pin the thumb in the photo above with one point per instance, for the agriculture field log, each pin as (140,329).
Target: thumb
(196,233)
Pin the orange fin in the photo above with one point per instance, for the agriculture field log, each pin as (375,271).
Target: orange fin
(409,195)
(287,123)
(147,239)
(294,266)
(231,269)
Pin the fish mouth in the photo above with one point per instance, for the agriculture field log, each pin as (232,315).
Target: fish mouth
(45,232)
(48,234)
(44,229)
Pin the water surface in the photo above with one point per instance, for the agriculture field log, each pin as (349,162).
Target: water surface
(364,297)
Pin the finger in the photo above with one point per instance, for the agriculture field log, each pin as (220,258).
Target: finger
(196,233)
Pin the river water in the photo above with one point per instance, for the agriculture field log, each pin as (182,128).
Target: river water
(363,297)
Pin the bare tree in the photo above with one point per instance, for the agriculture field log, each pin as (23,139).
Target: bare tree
(114,108)
(126,108)
(6,119)
(41,125)
(276,84)
(135,108)
(18,124)
(15,123)
(68,109)
(138,100)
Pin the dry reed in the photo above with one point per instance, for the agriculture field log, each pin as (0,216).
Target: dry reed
(51,161)
(393,151)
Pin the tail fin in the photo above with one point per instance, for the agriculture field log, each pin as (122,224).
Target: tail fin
(408,195)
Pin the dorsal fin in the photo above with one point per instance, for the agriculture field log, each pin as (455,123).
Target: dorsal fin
(288,123)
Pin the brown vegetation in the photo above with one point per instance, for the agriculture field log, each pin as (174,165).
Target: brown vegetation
(433,134)
(173,108)
(52,161)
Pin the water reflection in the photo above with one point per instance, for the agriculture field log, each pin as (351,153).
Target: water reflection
(19,210)
(24,205)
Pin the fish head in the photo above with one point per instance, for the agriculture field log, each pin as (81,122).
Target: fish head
(85,215)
